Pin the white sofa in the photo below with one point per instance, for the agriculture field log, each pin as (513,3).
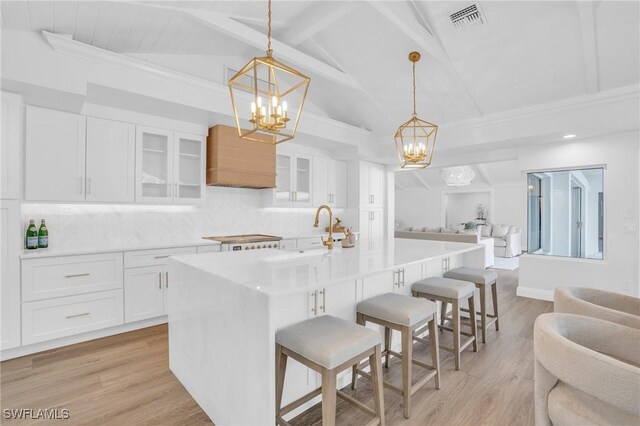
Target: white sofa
(506,239)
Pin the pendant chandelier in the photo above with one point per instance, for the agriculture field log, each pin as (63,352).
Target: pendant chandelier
(277,93)
(458,176)
(415,139)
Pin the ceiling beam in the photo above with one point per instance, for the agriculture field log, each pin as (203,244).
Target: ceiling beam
(421,179)
(245,34)
(399,184)
(403,17)
(308,24)
(484,174)
(586,11)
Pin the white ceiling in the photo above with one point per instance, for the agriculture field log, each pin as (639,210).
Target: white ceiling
(526,53)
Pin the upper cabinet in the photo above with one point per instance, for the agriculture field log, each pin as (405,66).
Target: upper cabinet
(189,167)
(55,155)
(10,146)
(70,157)
(293,180)
(154,168)
(371,185)
(170,166)
(110,161)
(329,182)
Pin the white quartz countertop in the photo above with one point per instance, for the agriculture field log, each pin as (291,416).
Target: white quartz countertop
(275,272)
(71,251)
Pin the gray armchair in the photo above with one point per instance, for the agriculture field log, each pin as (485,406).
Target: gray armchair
(587,371)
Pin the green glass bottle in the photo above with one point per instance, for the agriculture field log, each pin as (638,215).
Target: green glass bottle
(43,236)
(32,236)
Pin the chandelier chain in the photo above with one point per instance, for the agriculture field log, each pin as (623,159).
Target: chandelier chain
(269,50)
(414,90)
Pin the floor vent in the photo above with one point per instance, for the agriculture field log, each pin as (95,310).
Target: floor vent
(469,16)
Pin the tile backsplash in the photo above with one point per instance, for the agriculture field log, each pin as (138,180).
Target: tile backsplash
(227,211)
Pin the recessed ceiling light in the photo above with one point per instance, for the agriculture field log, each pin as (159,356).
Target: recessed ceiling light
(569,136)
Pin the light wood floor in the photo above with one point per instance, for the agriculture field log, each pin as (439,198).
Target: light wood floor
(125,379)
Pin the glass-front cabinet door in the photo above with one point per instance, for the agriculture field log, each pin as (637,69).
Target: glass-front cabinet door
(189,168)
(154,172)
(302,191)
(284,181)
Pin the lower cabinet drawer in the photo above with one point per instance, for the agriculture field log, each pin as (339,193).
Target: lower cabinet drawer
(134,259)
(51,277)
(66,316)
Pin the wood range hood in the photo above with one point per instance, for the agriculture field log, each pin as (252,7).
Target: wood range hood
(240,163)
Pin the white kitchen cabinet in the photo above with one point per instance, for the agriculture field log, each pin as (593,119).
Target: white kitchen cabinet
(189,168)
(329,182)
(147,281)
(55,155)
(371,225)
(371,185)
(49,277)
(293,180)
(11,146)
(65,316)
(110,161)
(208,249)
(405,277)
(169,166)
(144,293)
(10,244)
(154,165)
(337,300)
(288,244)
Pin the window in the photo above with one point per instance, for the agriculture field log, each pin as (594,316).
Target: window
(565,214)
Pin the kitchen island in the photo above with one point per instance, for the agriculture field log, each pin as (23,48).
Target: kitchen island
(224,310)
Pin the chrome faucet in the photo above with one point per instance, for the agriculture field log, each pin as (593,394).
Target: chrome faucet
(328,243)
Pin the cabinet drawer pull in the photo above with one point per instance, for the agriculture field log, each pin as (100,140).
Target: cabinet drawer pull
(324,300)
(314,294)
(166,280)
(160,280)
(77,275)
(78,315)
(162,257)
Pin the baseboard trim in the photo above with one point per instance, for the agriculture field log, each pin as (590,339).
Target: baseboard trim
(534,293)
(79,338)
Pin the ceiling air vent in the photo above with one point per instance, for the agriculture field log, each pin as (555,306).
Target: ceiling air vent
(469,16)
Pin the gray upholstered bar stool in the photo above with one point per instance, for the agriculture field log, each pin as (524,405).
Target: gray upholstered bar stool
(447,290)
(405,314)
(329,345)
(482,278)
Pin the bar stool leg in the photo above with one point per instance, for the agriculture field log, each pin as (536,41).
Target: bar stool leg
(494,295)
(281,367)
(354,376)
(473,324)
(435,347)
(387,345)
(456,333)
(376,379)
(483,313)
(407,357)
(443,312)
(329,395)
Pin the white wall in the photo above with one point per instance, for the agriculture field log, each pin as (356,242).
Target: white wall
(462,207)
(540,275)
(510,206)
(418,208)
